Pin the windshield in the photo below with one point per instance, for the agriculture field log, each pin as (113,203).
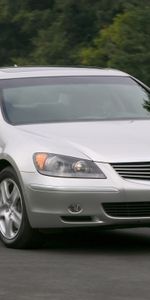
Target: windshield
(70,99)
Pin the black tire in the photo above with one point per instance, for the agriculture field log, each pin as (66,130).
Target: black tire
(22,236)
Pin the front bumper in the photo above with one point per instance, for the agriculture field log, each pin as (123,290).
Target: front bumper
(48,200)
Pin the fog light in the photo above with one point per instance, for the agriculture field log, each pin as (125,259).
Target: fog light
(75,208)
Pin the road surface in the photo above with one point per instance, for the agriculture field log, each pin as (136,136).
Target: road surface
(110,265)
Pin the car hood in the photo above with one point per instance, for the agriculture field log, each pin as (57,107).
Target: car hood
(103,141)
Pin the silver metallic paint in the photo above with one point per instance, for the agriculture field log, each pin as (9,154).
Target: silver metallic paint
(47,198)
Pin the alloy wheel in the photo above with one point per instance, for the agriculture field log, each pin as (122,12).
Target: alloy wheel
(11,209)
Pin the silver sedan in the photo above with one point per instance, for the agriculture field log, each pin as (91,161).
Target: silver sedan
(74,151)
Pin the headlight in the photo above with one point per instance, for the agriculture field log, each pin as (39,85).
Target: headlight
(66,166)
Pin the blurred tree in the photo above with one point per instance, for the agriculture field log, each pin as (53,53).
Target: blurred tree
(18,26)
(125,44)
(74,24)
(76,32)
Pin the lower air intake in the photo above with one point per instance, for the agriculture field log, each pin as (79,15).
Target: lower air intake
(127,209)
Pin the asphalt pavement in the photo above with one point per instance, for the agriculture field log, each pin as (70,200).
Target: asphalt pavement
(109,265)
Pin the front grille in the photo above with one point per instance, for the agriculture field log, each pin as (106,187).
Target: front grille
(127,209)
(136,171)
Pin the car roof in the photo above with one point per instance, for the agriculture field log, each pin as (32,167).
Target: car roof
(24,72)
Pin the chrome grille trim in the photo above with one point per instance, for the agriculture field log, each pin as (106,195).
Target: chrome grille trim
(139,171)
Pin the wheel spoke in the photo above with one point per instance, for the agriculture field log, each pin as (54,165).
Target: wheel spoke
(14,196)
(8,224)
(2,212)
(2,225)
(16,217)
(5,195)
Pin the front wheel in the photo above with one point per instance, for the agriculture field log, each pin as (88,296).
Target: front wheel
(15,230)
